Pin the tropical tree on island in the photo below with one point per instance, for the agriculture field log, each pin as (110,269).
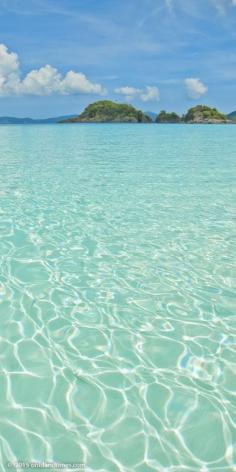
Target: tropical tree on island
(203,113)
(165,117)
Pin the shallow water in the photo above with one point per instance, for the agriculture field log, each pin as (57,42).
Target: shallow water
(118,300)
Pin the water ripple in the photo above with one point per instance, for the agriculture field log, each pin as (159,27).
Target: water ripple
(117,297)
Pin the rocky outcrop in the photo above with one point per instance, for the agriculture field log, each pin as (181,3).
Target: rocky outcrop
(106,111)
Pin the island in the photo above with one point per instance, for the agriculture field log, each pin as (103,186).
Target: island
(202,114)
(106,111)
(165,117)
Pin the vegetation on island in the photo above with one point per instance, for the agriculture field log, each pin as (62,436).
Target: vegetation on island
(204,114)
(165,117)
(106,111)
(201,114)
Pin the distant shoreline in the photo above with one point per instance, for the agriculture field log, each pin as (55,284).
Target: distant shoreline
(116,123)
(108,112)
(155,124)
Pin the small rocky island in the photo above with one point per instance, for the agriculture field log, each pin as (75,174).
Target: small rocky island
(201,114)
(106,111)
(165,117)
(205,115)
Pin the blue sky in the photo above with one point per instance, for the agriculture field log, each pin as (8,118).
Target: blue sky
(56,56)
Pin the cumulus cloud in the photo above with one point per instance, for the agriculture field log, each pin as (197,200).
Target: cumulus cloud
(195,88)
(74,82)
(147,94)
(44,81)
(129,92)
(9,70)
(150,94)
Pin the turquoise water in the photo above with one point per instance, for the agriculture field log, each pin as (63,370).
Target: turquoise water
(118,300)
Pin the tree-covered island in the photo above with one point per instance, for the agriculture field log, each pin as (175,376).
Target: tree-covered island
(165,117)
(204,114)
(106,111)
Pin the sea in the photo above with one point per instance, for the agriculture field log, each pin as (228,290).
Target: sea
(118,298)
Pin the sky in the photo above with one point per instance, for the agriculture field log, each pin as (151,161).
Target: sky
(57,56)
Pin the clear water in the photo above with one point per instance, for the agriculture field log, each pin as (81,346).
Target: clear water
(118,301)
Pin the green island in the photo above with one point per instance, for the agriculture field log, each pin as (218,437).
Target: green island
(204,114)
(106,111)
(201,114)
(165,117)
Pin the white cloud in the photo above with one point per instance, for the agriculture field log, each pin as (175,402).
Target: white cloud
(8,61)
(195,88)
(147,94)
(9,70)
(76,82)
(151,94)
(129,92)
(44,81)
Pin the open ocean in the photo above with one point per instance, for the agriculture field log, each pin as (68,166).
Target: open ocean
(118,297)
